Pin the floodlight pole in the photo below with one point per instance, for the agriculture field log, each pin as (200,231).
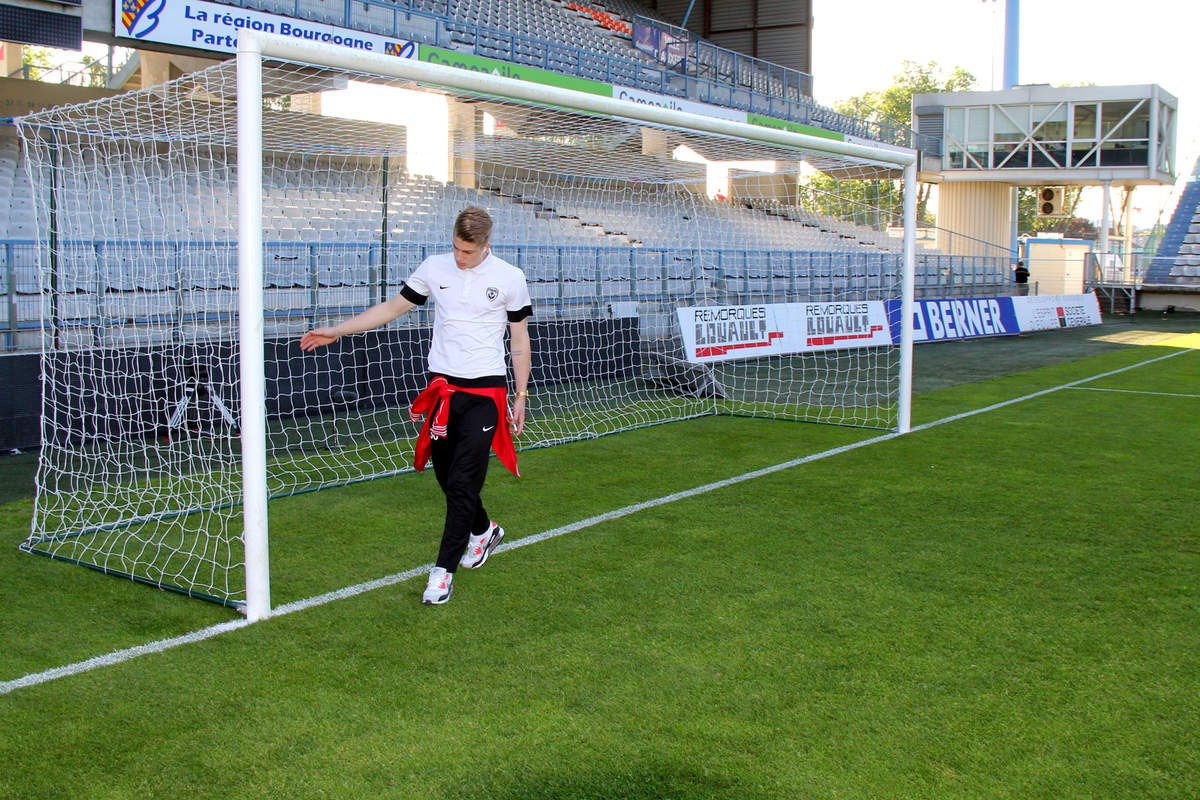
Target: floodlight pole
(1012,43)
(250,323)
(1012,71)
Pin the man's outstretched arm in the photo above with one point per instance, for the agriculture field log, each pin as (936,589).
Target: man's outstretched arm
(374,317)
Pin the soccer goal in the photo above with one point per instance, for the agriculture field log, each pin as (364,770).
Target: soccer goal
(681,264)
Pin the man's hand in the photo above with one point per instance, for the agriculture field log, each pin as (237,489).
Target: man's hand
(318,337)
(518,415)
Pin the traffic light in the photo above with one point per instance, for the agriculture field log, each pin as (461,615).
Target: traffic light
(1050,201)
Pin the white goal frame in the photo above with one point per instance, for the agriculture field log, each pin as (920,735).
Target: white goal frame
(254,47)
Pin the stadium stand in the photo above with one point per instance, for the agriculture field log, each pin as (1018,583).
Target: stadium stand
(1177,260)
(491,27)
(725,226)
(546,21)
(578,244)
(16,221)
(628,9)
(604,19)
(345,221)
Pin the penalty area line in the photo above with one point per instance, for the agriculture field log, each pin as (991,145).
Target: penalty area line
(162,645)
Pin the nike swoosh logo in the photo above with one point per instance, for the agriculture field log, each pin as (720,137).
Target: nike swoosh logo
(488,428)
(443,287)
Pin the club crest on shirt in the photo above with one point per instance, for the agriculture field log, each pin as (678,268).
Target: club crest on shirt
(492,293)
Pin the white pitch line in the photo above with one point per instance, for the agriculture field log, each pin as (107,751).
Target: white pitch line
(129,653)
(1043,392)
(1132,391)
(118,656)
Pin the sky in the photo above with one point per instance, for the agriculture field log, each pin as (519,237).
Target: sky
(859,45)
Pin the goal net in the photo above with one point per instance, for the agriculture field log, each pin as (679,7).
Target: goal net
(675,271)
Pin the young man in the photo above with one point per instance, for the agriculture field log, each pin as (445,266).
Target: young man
(465,405)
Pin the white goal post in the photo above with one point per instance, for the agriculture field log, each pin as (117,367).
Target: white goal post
(193,230)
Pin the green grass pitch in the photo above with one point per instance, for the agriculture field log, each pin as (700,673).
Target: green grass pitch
(1001,606)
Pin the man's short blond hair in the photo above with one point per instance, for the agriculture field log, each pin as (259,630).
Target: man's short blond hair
(473,225)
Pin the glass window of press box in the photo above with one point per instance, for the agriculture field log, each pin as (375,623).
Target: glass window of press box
(1110,133)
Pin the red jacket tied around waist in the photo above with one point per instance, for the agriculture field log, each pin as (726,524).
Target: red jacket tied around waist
(434,404)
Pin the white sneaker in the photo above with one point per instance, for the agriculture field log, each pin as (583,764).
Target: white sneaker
(439,588)
(481,546)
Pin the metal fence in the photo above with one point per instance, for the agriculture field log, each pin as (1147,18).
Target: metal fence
(100,287)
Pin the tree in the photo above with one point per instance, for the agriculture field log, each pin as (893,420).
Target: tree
(62,66)
(37,60)
(894,104)
(1029,222)
(891,108)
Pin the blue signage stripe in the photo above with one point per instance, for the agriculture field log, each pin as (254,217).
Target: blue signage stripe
(936,320)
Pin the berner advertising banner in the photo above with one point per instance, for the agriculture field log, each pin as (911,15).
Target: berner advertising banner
(963,318)
(726,333)
(971,317)
(213,26)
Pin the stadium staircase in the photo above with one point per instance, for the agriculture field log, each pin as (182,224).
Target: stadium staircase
(1177,260)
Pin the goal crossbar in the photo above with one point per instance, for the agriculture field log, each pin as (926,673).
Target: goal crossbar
(257,45)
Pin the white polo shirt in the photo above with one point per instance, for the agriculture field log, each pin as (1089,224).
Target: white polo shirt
(471,307)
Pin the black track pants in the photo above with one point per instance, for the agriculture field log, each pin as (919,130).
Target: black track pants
(460,461)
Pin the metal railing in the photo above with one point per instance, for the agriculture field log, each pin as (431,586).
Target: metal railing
(74,74)
(95,73)
(683,51)
(1116,269)
(94,299)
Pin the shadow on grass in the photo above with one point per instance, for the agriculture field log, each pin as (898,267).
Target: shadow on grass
(17,476)
(938,365)
(638,782)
